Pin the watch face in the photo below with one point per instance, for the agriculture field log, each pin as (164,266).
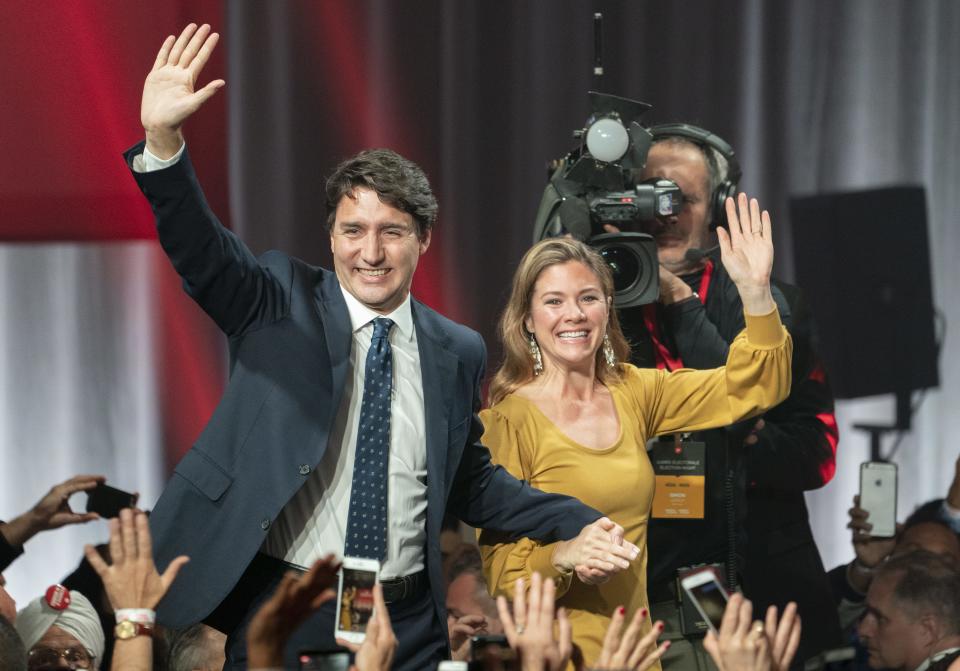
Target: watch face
(125,630)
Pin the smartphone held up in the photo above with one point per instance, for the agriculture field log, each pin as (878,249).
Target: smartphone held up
(878,497)
(708,595)
(108,501)
(355,597)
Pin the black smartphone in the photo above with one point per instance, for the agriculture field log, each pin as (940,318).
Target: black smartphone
(315,660)
(108,501)
(491,648)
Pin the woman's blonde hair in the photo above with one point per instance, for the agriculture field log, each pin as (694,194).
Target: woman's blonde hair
(517,367)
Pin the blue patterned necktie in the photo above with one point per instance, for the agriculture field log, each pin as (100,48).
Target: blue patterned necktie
(367,519)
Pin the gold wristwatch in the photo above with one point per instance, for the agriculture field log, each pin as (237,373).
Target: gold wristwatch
(126,629)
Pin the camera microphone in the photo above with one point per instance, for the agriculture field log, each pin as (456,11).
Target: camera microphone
(693,255)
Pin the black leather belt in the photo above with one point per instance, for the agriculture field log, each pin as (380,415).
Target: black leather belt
(397,589)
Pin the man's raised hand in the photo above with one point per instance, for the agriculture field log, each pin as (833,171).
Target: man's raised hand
(169,92)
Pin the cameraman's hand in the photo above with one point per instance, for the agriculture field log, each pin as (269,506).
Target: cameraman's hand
(52,511)
(752,437)
(672,288)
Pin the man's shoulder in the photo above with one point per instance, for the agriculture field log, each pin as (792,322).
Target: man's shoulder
(283,265)
(443,328)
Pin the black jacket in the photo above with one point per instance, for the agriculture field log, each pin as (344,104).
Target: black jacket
(760,487)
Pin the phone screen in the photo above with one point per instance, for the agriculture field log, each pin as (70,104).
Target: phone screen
(324,661)
(355,601)
(712,599)
(108,501)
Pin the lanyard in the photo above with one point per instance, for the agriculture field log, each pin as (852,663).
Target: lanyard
(662,354)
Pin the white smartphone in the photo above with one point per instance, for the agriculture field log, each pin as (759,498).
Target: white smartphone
(449,665)
(355,597)
(707,594)
(878,496)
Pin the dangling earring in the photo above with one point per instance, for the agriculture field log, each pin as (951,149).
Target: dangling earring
(535,355)
(608,353)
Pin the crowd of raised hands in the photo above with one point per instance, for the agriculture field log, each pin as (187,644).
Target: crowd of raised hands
(538,632)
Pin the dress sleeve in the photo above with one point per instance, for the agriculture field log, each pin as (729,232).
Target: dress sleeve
(755,378)
(505,561)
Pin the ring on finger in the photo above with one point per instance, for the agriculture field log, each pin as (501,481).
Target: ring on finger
(519,629)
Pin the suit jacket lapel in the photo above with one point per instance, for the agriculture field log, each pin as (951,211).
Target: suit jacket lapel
(338,335)
(438,367)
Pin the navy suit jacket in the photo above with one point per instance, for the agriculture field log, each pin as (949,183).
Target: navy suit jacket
(290,337)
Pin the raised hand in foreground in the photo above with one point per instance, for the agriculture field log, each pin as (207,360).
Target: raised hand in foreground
(52,511)
(134,587)
(530,628)
(630,651)
(380,644)
(743,644)
(296,597)
(131,580)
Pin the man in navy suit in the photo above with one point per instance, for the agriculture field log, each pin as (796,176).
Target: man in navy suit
(287,469)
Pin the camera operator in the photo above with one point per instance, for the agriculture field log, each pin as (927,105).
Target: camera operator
(762,465)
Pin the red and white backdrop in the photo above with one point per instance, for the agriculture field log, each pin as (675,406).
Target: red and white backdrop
(105,367)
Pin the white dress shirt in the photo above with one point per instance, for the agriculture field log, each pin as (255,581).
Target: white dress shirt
(313,523)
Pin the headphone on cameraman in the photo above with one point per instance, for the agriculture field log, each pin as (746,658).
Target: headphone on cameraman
(707,141)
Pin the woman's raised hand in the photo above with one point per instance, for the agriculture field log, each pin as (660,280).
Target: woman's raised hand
(747,253)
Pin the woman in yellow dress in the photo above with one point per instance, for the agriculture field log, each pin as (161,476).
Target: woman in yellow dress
(569,417)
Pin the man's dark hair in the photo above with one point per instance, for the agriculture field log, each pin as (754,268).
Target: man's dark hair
(925,583)
(398,182)
(466,560)
(189,648)
(13,654)
(931,511)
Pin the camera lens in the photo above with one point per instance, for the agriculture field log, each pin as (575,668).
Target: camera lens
(624,265)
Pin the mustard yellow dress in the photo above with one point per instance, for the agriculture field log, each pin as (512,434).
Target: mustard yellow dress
(618,480)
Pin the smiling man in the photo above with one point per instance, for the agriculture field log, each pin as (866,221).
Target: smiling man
(346,399)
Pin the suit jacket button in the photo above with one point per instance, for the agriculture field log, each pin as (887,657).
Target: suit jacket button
(304,469)
(264,524)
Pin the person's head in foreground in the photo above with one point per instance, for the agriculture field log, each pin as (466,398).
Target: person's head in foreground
(912,610)
(61,630)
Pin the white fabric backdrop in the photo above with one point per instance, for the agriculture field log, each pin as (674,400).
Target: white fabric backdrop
(78,391)
(875,100)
